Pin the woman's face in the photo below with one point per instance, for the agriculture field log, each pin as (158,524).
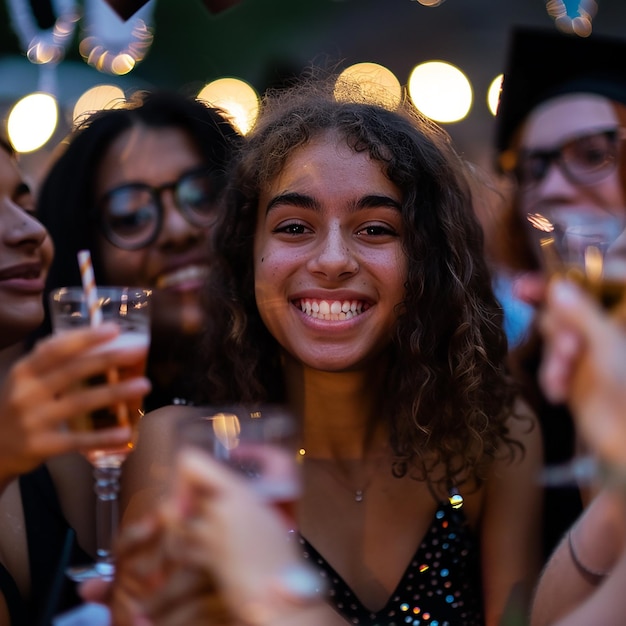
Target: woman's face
(328,259)
(579,122)
(552,125)
(175,263)
(25,256)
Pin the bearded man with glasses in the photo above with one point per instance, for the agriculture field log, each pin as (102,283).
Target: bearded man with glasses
(560,131)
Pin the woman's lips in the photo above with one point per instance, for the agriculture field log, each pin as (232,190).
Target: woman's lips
(187,278)
(26,278)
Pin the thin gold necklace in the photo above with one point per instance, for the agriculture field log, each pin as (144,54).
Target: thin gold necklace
(358,492)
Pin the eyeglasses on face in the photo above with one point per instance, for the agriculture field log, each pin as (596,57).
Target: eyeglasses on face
(131,215)
(584,160)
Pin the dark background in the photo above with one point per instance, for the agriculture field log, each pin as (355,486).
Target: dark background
(265,41)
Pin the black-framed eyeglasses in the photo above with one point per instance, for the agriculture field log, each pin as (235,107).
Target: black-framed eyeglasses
(584,160)
(131,216)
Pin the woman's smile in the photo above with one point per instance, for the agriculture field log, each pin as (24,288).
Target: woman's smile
(331,310)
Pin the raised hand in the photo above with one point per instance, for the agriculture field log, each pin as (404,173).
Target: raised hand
(584,364)
(42,393)
(154,586)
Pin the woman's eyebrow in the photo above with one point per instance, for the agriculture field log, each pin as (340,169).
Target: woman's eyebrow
(307,202)
(374,200)
(292,199)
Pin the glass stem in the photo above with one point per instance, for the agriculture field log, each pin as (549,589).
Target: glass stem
(107,487)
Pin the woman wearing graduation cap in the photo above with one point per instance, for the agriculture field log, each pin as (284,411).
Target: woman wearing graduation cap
(560,136)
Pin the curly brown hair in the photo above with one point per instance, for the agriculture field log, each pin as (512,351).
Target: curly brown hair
(449,394)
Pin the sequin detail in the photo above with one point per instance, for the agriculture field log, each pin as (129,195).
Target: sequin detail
(440,587)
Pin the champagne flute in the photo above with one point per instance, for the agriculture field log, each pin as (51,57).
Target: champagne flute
(585,244)
(129,308)
(258,441)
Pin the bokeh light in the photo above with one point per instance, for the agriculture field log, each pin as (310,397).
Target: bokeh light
(97,98)
(430,3)
(573,19)
(440,91)
(376,83)
(236,97)
(493,94)
(32,121)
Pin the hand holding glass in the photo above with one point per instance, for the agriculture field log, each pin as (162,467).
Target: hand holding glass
(585,244)
(259,442)
(128,307)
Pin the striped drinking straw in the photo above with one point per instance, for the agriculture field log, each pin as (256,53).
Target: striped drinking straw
(95,317)
(89,286)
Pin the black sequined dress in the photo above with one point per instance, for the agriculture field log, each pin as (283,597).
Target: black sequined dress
(440,587)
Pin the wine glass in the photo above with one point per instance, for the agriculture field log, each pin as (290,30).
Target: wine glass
(586,244)
(129,308)
(258,441)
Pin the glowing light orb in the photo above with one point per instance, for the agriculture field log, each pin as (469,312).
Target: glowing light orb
(493,94)
(237,98)
(97,98)
(440,91)
(376,83)
(32,121)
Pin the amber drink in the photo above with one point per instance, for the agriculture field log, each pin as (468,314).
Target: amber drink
(585,244)
(129,308)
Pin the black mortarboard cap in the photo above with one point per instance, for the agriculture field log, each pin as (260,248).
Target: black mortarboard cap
(542,64)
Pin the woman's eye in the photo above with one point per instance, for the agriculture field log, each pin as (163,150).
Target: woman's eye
(291,229)
(374,230)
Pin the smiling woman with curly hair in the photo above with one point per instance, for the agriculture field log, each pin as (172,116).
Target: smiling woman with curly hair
(348,281)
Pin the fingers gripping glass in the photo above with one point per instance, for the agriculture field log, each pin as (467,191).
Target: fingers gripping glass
(584,160)
(131,216)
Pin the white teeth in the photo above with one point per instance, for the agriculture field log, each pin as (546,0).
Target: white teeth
(182,275)
(335,310)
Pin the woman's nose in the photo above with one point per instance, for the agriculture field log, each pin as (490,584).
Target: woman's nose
(334,256)
(176,229)
(19,227)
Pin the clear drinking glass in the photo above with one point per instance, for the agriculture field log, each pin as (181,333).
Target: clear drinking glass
(129,308)
(260,442)
(585,244)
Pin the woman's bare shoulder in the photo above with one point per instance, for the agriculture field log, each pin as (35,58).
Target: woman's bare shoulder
(146,471)
(164,419)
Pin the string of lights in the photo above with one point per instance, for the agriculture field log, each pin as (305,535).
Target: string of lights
(577,21)
(44,45)
(114,45)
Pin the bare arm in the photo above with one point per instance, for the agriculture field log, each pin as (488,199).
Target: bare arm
(597,539)
(510,528)
(607,605)
(584,364)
